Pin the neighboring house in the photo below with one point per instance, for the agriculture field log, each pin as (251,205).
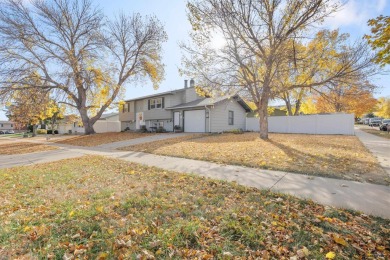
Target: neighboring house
(186,109)
(6,125)
(70,124)
(106,123)
(111,117)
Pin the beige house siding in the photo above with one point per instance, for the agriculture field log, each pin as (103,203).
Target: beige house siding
(220,116)
(158,113)
(127,115)
(6,125)
(190,95)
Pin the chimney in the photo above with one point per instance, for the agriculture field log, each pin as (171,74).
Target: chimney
(185,83)
(192,83)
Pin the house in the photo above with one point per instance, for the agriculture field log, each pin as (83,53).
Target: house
(106,123)
(110,117)
(70,124)
(6,125)
(184,108)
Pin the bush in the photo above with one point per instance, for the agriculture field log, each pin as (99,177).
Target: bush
(50,132)
(235,131)
(41,131)
(160,129)
(143,129)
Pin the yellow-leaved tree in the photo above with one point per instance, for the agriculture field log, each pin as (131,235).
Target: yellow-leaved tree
(32,106)
(262,55)
(383,107)
(380,38)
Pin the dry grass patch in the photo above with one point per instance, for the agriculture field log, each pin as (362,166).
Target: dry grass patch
(23,147)
(104,138)
(100,208)
(323,155)
(383,134)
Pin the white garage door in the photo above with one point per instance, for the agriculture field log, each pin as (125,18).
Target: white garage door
(195,121)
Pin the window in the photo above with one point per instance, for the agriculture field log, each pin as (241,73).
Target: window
(12,125)
(155,103)
(231,117)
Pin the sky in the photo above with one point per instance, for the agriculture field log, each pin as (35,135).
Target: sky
(352,19)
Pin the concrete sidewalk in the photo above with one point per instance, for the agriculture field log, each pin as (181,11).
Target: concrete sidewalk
(378,146)
(368,198)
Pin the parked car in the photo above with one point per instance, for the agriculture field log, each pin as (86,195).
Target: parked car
(9,132)
(375,121)
(2,132)
(384,125)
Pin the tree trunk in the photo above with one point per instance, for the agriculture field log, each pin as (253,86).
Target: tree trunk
(34,133)
(263,119)
(87,122)
(289,109)
(297,107)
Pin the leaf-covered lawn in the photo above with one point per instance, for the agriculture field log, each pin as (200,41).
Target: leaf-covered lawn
(10,148)
(323,155)
(383,134)
(103,138)
(100,208)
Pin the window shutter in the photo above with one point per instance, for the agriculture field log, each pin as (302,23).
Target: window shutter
(148,104)
(162,102)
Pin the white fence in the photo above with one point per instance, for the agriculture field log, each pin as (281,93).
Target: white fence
(102,126)
(332,124)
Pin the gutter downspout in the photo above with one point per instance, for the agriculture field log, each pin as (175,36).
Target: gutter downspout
(209,117)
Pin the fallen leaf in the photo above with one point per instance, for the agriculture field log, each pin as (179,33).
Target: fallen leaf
(330,255)
(340,240)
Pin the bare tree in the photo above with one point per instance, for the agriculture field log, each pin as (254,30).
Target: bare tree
(260,37)
(81,57)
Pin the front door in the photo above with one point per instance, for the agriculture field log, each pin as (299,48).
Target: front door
(176,118)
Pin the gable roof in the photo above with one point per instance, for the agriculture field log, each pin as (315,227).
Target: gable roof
(171,92)
(209,102)
(105,116)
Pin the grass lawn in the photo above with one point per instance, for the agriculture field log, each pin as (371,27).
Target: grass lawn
(99,208)
(104,138)
(23,147)
(324,155)
(383,134)
(16,135)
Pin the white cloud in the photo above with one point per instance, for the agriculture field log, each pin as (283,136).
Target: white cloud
(356,12)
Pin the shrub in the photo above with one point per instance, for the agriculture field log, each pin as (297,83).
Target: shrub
(235,131)
(56,132)
(160,129)
(41,131)
(143,129)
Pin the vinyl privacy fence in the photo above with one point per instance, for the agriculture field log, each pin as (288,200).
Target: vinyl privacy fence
(102,126)
(336,124)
